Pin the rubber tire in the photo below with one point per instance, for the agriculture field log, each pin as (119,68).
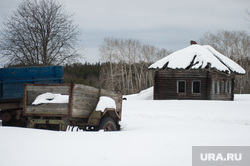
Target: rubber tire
(107,124)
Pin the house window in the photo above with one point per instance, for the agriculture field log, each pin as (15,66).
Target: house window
(226,86)
(181,86)
(213,87)
(229,87)
(217,87)
(222,87)
(196,87)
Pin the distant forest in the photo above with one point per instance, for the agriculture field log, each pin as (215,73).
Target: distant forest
(125,61)
(98,75)
(88,74)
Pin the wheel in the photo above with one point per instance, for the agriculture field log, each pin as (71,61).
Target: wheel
(6,116)
(108,124)
(13,118)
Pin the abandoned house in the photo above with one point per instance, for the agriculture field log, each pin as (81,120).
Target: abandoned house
(195,72)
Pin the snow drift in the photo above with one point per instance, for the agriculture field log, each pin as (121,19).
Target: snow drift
(146,94)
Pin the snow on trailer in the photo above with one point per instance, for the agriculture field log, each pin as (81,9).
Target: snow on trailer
(51,98)
(45,107)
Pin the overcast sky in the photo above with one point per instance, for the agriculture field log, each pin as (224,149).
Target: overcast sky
(168,24)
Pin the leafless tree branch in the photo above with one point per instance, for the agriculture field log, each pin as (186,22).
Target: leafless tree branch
(39,33)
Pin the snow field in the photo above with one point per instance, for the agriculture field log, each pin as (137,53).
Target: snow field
(153,133)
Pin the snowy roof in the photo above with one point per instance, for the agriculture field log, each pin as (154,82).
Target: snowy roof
(198,57)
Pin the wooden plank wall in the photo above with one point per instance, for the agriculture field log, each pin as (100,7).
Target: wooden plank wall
(48,109)
(84,101)
(165,82)
(222,95)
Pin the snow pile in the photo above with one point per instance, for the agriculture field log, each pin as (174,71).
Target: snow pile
(51,98)
(146,94)
(105,102)
(198,57)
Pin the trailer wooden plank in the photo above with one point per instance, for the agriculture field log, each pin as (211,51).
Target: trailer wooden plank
(82,100)
(48,109)
(32,91)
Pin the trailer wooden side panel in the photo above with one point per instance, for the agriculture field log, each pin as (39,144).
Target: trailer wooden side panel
(84,100)
(32,91)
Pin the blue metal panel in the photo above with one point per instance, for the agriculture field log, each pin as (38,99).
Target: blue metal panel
(12,80)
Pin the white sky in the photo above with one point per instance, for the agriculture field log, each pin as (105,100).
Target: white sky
(168,24)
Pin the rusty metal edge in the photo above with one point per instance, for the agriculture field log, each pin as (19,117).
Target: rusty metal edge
(24,100)
(71,98)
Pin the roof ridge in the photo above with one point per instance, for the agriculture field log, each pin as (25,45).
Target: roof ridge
(228,67)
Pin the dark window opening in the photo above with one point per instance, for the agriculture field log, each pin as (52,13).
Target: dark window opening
(196,87)
(181,87)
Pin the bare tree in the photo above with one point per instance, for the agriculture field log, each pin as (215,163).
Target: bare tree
(235,45)
(128,61)
(39,33)
(248,15)
(108,54)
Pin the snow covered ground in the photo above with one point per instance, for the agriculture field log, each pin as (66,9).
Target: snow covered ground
(156,133)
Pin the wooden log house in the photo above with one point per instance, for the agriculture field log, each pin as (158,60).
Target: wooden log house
(196,72)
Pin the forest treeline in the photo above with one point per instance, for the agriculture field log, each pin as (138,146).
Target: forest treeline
(126,62)
(98,75)
(124,70)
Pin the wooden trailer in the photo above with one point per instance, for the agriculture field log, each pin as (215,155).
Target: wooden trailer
(78,111)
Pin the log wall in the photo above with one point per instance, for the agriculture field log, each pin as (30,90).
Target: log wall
(220,80)
(165,84)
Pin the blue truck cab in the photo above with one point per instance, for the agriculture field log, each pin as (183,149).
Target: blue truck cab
(12,81)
